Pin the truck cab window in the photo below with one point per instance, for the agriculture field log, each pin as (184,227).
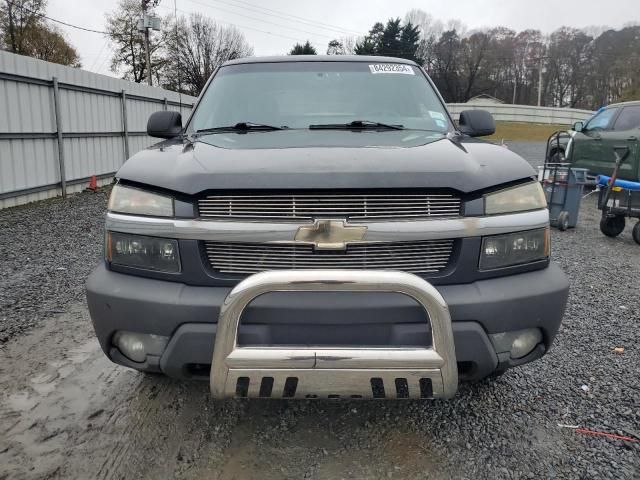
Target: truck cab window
(629,119)
(602,120)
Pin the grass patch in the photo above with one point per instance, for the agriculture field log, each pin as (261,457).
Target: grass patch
(524,131)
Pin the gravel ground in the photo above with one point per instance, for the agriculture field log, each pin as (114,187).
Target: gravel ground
(66,412)
(47,249)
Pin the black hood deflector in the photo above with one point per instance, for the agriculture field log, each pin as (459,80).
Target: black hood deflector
(340,160)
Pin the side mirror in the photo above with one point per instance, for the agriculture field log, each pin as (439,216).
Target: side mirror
(164,124)
(476,123)
(577,127)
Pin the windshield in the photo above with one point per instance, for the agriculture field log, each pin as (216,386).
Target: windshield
(302,94)
(601,120)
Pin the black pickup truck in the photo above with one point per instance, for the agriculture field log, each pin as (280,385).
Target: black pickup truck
(319,227)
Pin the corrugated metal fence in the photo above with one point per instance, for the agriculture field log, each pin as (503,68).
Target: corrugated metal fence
(503,112)
(60,125)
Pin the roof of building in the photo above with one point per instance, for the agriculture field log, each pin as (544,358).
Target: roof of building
(485,96)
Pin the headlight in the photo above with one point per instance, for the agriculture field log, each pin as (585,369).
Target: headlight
(501,251)
(139,202)
(567,151)
(529,196)
(147,253)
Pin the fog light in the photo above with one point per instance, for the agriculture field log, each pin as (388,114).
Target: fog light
(136,346)
(519,343)
(525,342)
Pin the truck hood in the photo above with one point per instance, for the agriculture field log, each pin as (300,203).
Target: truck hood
(324,159)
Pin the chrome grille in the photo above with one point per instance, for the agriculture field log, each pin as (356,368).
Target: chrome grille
(295,206)
(421,257)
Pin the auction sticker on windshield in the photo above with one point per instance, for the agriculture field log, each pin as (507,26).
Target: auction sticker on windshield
(391,68)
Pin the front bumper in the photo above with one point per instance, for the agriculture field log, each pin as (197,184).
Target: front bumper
(189,315)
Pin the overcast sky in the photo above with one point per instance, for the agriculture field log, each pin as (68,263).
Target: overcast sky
(273,26)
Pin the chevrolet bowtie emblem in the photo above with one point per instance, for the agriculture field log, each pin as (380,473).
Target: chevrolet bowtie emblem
(330,234)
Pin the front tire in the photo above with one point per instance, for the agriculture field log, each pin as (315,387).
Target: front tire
(635,233)
(612,226)
(557,157)
(563,221)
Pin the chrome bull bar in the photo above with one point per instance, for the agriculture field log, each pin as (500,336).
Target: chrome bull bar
(334,372)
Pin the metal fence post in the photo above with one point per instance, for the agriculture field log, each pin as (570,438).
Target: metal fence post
(56,106)
(125,129)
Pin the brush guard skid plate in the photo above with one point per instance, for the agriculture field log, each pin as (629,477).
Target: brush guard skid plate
(340,372)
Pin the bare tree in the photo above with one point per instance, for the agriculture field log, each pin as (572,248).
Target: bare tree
(445,70)
(47,43)
(128,43)
(342,46)
(584,68)
(349,45)
(474,56)
(569,61)
(457,25)
(615,70)
(18,19)
(335,47)
(23,30)
(200,47)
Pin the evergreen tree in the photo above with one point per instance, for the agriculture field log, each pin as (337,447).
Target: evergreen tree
(410,41)
(306,49)
(392,40)
(366,47)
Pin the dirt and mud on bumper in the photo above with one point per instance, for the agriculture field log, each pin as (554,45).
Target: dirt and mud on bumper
(485,319)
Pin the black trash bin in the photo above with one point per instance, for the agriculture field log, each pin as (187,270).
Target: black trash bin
(563,186)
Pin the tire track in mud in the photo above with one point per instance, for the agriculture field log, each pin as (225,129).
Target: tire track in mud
(68,412)
(53,381)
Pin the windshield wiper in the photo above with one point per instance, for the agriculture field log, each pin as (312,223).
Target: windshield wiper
(242,127)
(356,125)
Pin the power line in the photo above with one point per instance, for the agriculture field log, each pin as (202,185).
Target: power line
(258,19)
(284,15)
(247,27)
(175,14)
(95,60)
(112,34)
(42,15)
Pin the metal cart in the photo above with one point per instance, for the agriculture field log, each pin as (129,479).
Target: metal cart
(556,147)
(562,187)
(617,202)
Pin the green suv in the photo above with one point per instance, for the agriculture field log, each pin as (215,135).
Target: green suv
(592,142)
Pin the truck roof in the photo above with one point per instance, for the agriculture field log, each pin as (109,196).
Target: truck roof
(623,104)
(320,58)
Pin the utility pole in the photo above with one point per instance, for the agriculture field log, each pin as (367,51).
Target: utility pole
(524,73)
(12,27)
(146,41)
(146,23)
(540,79)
